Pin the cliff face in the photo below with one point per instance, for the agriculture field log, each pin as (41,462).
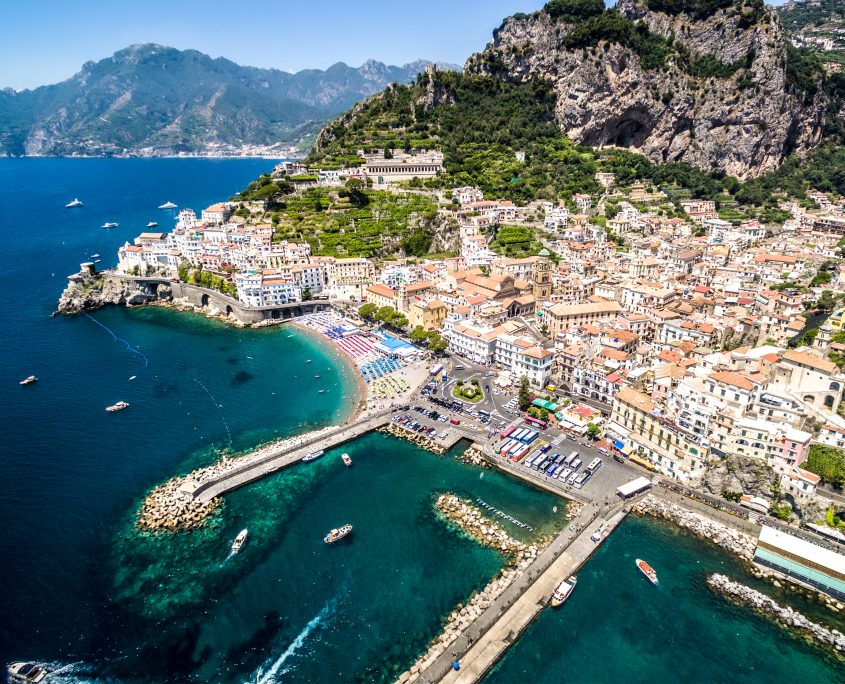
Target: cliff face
(87,292)
(743,121)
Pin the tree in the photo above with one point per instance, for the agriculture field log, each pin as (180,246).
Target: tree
(544,330)
(306,294)
(524,397)
(593,431)
(828,462)
(419,335)
(437,344)
(367,311)
(398,321)
(385,314)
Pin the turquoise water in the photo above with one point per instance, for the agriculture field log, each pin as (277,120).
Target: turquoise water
(81,588)
(618,627)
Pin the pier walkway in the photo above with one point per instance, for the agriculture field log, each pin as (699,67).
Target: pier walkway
(286,455)
(486,640)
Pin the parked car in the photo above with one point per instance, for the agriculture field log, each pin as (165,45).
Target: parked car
(454,421)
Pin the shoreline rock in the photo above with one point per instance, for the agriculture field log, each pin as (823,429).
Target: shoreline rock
(720,534)
(414,438)
(829,639)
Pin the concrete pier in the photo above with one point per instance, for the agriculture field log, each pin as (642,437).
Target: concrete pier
(256,469)
(484,643)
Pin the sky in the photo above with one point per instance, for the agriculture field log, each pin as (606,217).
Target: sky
(46,41)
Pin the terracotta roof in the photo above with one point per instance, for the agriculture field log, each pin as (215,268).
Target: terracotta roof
(732,378)
(807,359)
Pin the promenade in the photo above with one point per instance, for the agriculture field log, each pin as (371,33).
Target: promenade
(486,640)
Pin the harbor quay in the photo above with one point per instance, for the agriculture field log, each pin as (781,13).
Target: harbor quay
(484,642)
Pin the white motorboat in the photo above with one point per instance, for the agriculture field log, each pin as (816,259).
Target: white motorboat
(110,224)
(168,205)
(73,205)
(347,459)
(152,224)
(26,672)
(563,591)
(29,380)
(337,534)
(119,406)
(313,456)
(239,541)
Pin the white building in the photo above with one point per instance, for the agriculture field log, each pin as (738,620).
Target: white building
(265,289)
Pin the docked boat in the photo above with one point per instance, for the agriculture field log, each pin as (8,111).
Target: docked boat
(29,380)
(313,456)
(239,541)
(337,534)
(74,205)
(152,224)
(110,224)
(119,406)
(168,205)
(26,672)
(347,459)
(647,570)
(564,589)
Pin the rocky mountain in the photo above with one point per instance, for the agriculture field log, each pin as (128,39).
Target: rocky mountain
(155,100)
(710,82)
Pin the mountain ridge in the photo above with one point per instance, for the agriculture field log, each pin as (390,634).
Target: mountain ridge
(154,100)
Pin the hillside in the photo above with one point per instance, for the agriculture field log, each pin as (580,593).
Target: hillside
(155,100)
(704,81)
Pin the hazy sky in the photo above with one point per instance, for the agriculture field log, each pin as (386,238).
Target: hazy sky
(45,41)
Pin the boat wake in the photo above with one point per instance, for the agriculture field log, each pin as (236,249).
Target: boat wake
(219,409)
(277,668)
(120,339)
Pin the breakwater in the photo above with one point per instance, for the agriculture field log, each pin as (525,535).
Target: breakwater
(473,455)
(727,537)
(502,514)
(831,639)
(414,438)
(470,520)
(174,505)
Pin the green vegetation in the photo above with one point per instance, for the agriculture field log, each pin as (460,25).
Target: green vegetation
(471,392)
(515,241)
(524,396)
(781,511)
(827,462)
(429,338)
(593,431)
(573,11)
(731,496)
(197,276)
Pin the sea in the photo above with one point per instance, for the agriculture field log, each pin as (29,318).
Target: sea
(83,591)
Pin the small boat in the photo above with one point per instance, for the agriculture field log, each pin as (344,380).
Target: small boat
(564,589)
(132,377)
(317,376)
(239,541)
(337,534)
(26,672)
(321,391)
(347,459)
(119,406)
(647,570)
(95,256)
(152,224)
(73,205)
(29,380)
(110,224)
(313,456)
(168,205)
(307,360)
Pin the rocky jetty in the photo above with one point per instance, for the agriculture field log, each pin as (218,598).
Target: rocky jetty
(727,537)
(171,506)
(475,456)
(469,519)
(414,438)
(822,636)
(91,289)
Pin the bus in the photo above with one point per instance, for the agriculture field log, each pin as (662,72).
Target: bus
(531,436)
(519,433)
(529,462)
(504,446)
(437,369)
(568,461)
(581,480)
(520,453)
(509,431)
(536,422)
(595,464)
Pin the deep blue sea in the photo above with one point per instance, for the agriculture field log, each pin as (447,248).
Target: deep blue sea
(83,591)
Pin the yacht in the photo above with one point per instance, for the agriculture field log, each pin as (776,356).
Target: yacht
(564,589)
(152,224)
(239,541)
(119,406)
(347,459)
(647,570)
(110,224)
(168,205)
(337,534)
(73,205)
(313,456)
(26,672)
(29,380)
